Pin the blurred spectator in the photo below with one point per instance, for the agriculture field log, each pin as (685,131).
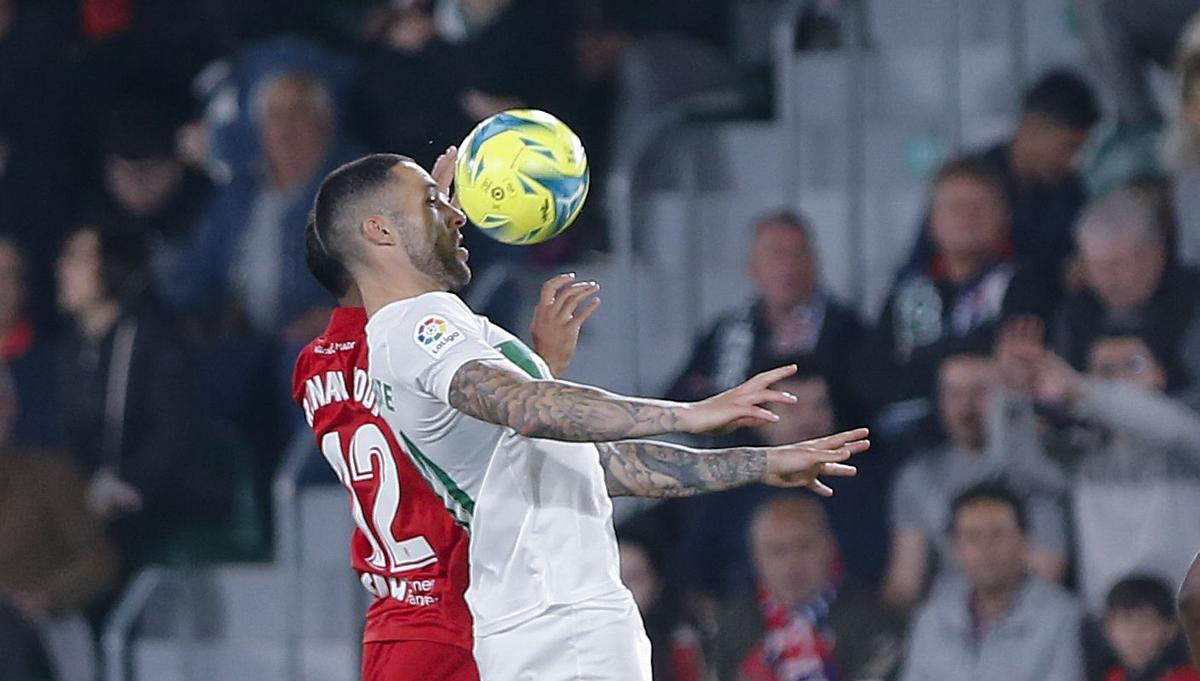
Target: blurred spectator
(469,59)
(806,620)
(791,317)
(249,251)
(952,303)
(1038,170)
(975,452)
(676,653)
(125,390)
(149,189)
(1181,156)
(1139,620)
(1002,623)
(54,557)
(856,512)
(716,560)
(27,352)
(1130,283)
(40,161)
(1123,38)
(1137,466)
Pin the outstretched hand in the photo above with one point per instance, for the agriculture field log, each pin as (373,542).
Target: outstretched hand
(443,169)
(739,407)
(801,464)
(558,317)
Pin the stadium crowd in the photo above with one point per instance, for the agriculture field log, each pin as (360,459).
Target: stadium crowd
(1033,381)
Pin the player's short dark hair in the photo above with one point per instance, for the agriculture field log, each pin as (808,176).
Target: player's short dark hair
(975,168)
(328,272)
(340,188)
(990,491)
(1065,98)
(1141,591)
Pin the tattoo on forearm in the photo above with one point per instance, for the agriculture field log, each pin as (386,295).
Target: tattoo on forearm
(658,469)
(554,409)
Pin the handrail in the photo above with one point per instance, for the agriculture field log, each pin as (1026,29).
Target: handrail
(626,158)
(116,635)
(285,489)
(783,43)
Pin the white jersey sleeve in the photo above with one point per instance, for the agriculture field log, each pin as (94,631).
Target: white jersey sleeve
(431,342)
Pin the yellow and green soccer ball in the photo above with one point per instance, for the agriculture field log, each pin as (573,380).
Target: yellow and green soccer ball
(522,176)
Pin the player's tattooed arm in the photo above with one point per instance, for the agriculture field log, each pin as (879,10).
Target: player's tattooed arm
(557,410)
(657,469)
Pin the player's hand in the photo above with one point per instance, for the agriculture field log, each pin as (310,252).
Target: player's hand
(33,606)
(801,464)
(443,169)
(558,317)
(738,407)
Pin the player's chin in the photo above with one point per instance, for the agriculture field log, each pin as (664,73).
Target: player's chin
(458,276)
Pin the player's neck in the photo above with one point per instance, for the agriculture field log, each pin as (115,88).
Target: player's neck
(389,289)
(96,321)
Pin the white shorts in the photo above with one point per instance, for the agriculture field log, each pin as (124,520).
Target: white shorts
(598,640)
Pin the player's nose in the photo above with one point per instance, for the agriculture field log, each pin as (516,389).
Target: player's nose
(455,219)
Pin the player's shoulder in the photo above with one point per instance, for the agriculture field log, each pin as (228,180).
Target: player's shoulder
(429,325)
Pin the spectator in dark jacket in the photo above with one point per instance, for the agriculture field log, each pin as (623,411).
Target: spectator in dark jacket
(951,304)
(1132,284)
(148,188)
(124,387)
(54,557)
(805,619)
(792,317)
(1037,168)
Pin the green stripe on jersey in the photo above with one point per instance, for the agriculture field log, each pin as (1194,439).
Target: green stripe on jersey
(456,493)
(520,355)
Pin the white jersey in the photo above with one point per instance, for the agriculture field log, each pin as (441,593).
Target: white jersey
(538,511)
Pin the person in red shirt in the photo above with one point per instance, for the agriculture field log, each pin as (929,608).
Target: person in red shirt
(409,552)
(1139,621)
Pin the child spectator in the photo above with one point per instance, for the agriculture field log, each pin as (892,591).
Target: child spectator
(1139,621)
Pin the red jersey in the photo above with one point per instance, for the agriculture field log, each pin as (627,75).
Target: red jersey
(407,549)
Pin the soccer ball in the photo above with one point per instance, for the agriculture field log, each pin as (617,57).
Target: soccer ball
(522,176)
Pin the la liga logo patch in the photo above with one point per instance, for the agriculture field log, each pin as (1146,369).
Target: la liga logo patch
(434,335)
(431,330)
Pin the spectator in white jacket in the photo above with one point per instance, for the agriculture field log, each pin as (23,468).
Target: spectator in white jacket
(1131,458)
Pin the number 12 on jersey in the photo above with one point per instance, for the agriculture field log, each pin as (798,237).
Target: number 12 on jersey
(370,458)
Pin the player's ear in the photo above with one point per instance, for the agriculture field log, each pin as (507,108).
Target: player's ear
(377,231)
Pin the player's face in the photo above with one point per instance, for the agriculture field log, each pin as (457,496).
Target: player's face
(1138,635)
(793,559)
(78,272)
(964,386)
(968,218)
(431,228)
(781,265)
(989,545)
